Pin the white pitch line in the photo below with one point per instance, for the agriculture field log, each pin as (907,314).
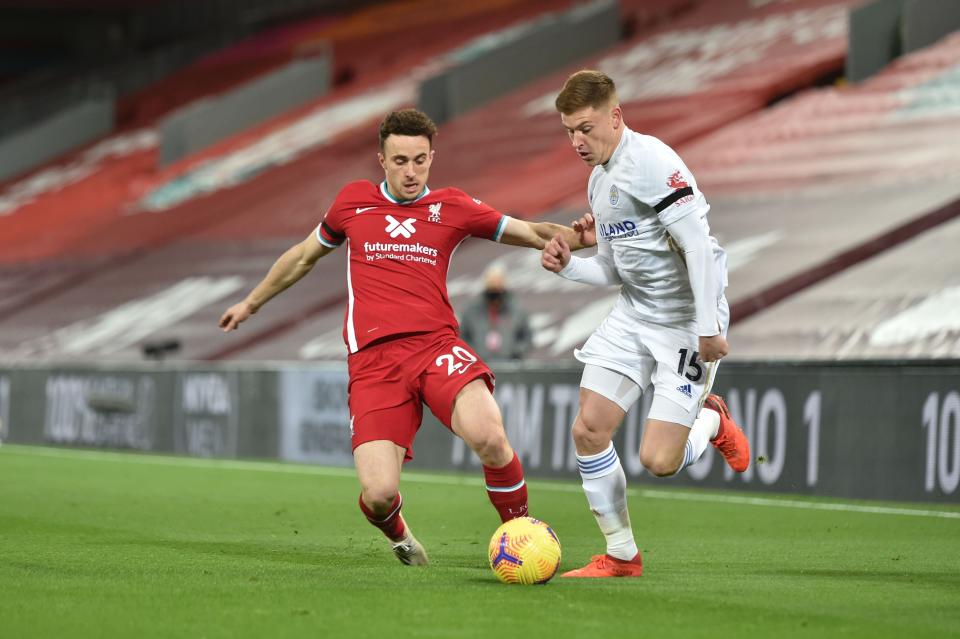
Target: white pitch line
(181,462)
(795,503)
(448,480)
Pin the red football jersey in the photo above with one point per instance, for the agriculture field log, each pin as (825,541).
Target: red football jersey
(398,254)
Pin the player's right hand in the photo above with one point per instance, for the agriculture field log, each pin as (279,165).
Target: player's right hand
(235,314)
(556,255)
(586,227)
(713,348)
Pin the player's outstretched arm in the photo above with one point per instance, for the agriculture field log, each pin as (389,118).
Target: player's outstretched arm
(537,234)
(290,267)
(597,270)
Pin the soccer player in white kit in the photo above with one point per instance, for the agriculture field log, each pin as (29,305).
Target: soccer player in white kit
(667,328)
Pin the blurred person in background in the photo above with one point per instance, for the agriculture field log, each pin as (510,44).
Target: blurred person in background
(399,328)
(668,326)
(495,325)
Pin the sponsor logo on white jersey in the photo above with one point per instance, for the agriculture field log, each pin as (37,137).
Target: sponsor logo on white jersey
(396,228)
(677,181)
(617,230)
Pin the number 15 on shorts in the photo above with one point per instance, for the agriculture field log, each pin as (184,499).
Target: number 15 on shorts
(691,369)
(458,360)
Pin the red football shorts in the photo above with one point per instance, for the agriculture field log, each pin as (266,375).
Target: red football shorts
(391,381)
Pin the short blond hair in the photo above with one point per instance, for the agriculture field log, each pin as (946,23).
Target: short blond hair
(586,88)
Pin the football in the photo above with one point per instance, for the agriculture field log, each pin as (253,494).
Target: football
(524,551)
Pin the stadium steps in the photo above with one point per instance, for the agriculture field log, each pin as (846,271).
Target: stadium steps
(901,304)
(839,175)
(525,168)
(102,186)
(792,235)
(47,261)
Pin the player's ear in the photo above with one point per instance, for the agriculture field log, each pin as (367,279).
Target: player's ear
(383,161)
(616,113)
(432,153)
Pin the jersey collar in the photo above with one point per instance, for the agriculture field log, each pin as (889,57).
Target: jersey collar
(386,194)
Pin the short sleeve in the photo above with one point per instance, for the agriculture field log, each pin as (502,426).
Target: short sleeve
(664,183)
(331,232)
(484,221)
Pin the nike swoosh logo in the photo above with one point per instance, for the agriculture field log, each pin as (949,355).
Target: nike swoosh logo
(365,209)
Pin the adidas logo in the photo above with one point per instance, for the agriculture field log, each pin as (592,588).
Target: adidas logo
(686,390)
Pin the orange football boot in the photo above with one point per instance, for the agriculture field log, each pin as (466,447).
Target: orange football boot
(730,440)
(607,566)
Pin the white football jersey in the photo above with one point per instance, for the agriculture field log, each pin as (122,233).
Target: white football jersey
(642,188)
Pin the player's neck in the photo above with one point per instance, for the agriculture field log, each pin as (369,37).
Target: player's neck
(388,193)
(616,144)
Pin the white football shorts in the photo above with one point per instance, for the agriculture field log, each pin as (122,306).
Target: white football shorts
(625,355)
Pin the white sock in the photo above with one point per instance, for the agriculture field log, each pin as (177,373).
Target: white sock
(705,428)
(605,486)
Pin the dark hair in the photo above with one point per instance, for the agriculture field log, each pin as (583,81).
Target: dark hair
(407,122)
(586,88)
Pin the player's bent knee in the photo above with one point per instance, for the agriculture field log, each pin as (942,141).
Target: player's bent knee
(591,433)
(379,499)
(490,444)
(659,464)
(582,435)
(660,468)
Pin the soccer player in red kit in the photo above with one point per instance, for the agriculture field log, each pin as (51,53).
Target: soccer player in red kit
(400,330)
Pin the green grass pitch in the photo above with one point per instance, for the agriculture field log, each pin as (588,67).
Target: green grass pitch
(97,544)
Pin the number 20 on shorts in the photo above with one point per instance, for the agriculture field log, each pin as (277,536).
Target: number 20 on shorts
(458,360)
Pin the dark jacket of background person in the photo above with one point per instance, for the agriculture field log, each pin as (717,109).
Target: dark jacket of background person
(496,327)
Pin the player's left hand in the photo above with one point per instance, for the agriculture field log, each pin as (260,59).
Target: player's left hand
(713,348)
(236,314)
(586,229)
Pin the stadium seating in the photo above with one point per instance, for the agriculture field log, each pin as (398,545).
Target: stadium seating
(878,208)
(792,187)
(101,185)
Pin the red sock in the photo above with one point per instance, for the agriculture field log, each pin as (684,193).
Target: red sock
(507,490)
(392,524)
